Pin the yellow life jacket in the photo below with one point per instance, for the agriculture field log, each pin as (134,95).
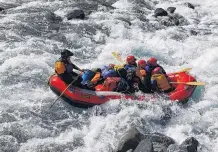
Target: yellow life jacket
(59,67)
(162,82)
(117,67)
(96,78)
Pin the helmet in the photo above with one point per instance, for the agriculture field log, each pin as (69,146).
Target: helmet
(140,62)
(130,59)
(152,61)
(66,53)
(157,70)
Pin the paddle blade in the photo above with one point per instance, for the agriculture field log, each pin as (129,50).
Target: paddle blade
(196,83)
(183,70)
(117,56)
(190,83)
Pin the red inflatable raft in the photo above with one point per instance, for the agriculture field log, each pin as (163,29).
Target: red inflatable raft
(86,98)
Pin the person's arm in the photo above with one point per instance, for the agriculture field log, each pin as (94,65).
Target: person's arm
(77,68)
(153,84)
(163,71)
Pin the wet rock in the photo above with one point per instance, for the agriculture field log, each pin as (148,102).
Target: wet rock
(125,20)
(193,32)
(76,14)
(160,138)
(189,145)
(144,146)
(174,20)
(177,19)
(130,140)
(1,9)
(173,148)
(171,9)
(160,12)
(159,147)
(51,17)
(189,5)
(165,118)
(8,143)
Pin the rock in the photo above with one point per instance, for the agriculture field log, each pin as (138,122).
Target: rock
(174,20)
(160,138)
(76,14)
(159,147)
(144,146)
(173,148)
(193,32)
(1,9)
(189,145)
(130,140)
(189,5)
(165,118)
(171,9)
(160,12)
(51,17)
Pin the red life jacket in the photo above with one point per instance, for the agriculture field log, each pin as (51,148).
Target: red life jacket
(110,83)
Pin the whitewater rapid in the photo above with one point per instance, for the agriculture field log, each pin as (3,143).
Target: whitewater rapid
(30,43)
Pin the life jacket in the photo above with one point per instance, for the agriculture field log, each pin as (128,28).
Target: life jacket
(111,83)
(63,66)
(129,67)
(96,78)
(162,82)
(108,72)
(117,67)
(121,72)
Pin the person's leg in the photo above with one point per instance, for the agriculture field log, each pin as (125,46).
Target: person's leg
(77,79)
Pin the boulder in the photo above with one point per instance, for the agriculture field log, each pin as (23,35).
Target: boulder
(171,9)
(76,14)
(167,114)
(189,5)
(189,145)
(160,138)
(160,12)
(159,147)
(1,9)
(144,146)
(130,140)
(51,17)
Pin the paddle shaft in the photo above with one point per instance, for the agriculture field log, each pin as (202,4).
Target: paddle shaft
(64,91)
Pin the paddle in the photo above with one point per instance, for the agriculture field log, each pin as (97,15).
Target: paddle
(118,57)
(190,83)
(64,91)
(183,70)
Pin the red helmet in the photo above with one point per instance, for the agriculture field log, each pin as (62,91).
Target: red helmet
(157,70)
(140,62)
(152,61)
(130,59)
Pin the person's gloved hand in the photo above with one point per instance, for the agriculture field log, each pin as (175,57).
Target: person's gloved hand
(82,70)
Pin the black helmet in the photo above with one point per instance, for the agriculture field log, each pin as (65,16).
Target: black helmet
(66,53)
